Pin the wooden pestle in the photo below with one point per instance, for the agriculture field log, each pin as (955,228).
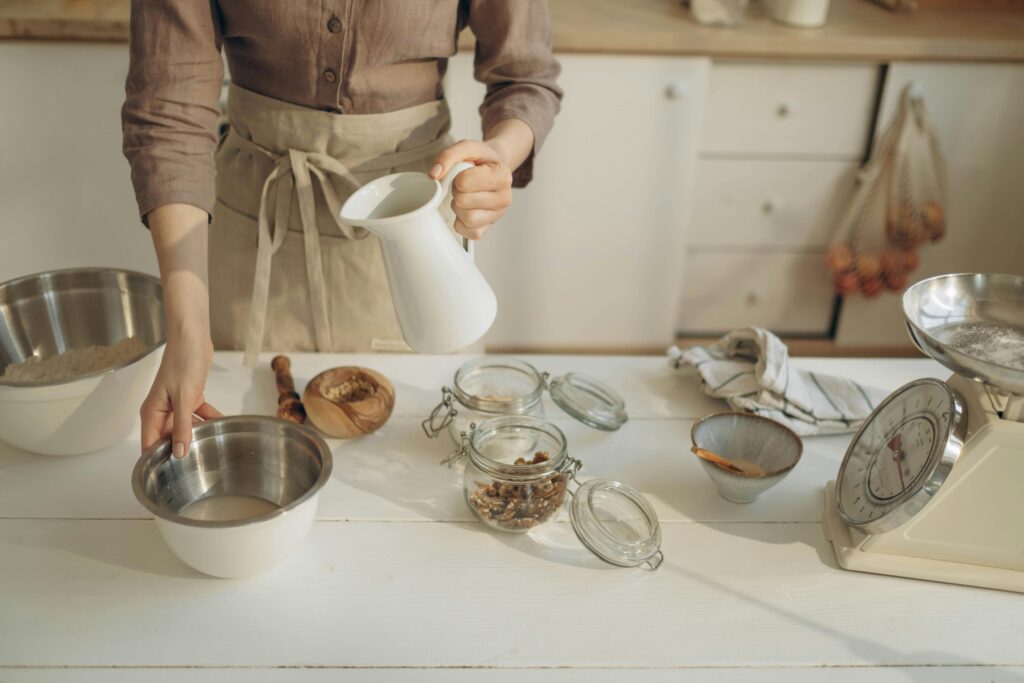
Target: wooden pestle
(289,405)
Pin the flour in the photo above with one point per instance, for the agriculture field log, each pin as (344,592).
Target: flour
(74,363)
(998,344)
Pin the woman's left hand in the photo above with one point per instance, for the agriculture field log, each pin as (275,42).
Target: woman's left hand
(480,195)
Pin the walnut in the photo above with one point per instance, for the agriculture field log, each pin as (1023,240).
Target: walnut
(520,506)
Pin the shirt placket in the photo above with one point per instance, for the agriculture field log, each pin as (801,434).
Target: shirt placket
(333,30)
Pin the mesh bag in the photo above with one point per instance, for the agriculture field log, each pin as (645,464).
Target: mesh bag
(899,205)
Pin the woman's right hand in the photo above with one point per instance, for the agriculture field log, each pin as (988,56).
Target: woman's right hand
(179,237)
(177,395)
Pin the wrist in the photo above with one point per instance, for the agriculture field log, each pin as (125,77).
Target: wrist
(512,140)
(186,314)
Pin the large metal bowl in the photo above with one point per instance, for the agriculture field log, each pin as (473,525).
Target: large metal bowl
(48,313)
(973,324)
(253,458)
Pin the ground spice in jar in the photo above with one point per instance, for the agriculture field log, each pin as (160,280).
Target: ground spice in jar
(519,506)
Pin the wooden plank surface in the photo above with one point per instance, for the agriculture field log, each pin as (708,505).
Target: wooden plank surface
(818,674)
(395,474)
(396,581)
(451,594)
(857,30)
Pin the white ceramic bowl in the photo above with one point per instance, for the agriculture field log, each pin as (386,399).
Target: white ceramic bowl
(42,315)
(772,446)
(278,464)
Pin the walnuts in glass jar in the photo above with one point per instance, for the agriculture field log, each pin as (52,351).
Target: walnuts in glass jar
(518,506)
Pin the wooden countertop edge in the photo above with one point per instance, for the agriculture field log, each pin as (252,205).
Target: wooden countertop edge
(857,31)
(83,30)
(857,51)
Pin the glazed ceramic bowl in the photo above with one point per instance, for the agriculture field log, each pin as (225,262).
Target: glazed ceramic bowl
(242,499)
(48,313)
(773,447)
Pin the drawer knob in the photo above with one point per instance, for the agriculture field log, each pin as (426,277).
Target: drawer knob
(784,110)
(752,299)
(768,207)
(676,90)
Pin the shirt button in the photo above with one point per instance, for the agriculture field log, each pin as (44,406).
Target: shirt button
(330,76)
(334,24)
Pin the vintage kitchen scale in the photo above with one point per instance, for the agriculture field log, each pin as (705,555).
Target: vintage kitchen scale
(932,485)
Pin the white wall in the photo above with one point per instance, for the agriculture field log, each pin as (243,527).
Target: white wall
(65,193)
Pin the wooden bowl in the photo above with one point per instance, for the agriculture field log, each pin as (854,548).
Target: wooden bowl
(349,401)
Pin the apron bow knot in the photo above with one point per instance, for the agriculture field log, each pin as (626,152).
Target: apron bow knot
(293,172)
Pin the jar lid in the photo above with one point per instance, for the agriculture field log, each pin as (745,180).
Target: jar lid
(590,401)
(616,523)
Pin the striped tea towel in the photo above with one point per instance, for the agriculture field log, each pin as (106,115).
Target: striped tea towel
(750,369)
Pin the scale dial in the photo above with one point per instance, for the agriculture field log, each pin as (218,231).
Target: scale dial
(900,456)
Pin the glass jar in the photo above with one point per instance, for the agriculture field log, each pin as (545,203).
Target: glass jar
(519,475)
(491,386)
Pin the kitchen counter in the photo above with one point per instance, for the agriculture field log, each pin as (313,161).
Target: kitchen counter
(857,30)
(398,582)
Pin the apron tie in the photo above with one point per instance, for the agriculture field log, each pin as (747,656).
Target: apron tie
(294,171)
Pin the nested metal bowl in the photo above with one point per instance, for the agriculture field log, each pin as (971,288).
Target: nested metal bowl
(49,313)
(973,323)
(267,472)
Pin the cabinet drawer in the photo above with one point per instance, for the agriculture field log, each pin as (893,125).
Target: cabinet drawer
(793,109)
(780,204)
(786,293)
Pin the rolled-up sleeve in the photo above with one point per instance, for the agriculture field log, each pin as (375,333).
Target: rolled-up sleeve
(171,106)
(514,60)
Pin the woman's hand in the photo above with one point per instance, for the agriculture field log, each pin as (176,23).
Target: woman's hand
(179,237)
(177,394)
(482,195)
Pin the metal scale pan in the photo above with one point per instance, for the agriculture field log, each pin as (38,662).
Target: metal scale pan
(973,324)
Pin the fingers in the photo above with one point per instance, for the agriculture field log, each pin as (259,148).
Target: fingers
(181,435)
(464,150)
(154,422)
(492,201)
(208,412)
(475,232)
(490,177)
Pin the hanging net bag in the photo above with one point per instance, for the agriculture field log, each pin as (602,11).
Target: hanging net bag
(899,206)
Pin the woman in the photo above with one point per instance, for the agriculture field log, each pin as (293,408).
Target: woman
(325,96)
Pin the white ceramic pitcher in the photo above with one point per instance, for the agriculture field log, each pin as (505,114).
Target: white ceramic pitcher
(443,302)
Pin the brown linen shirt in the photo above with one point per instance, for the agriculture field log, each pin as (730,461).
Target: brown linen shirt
(346,56)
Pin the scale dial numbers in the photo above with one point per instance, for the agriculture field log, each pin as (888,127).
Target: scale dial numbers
(895,452)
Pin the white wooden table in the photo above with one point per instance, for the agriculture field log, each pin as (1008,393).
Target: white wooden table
(398,582)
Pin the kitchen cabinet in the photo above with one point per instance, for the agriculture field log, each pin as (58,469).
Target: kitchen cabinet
(777,204)
(779,152)
(591,253)
(819,110)
(786,292)
(978,112)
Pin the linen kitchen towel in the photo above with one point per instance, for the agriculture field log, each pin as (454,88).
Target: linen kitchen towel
(750,369)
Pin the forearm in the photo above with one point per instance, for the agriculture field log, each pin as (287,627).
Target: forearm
(179,234)
(512,140)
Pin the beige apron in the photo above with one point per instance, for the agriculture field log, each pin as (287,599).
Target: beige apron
(285,273)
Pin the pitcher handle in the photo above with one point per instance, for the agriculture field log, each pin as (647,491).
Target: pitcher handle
(446,187)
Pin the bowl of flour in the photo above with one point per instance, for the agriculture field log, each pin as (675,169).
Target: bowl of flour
(78,351)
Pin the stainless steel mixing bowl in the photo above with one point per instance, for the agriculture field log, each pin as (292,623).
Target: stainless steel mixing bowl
(973,324)
(254,456)
(46,314)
